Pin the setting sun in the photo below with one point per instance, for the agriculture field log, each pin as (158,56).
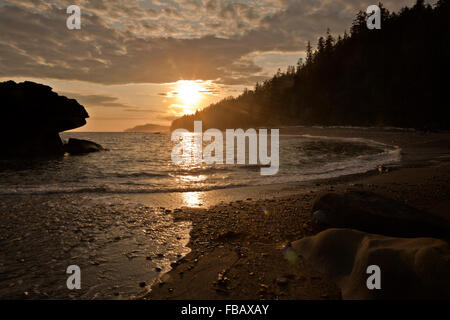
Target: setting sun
(189,93)
(188,96)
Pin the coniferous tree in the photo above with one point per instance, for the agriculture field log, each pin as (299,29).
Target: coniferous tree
(386,77)
(320,46)
(329,42)
(309,54)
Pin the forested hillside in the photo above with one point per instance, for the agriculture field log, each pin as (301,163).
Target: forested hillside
(396,76)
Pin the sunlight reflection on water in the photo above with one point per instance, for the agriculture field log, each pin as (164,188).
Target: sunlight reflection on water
(141,163)
(191,178)
(193,199)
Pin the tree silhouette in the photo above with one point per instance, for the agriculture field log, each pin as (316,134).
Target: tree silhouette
(396,76)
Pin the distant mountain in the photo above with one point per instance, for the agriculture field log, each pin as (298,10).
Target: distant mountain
(396,76)
(149,128)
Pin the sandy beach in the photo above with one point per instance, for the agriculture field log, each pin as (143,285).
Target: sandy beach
(230,243)
(238,248)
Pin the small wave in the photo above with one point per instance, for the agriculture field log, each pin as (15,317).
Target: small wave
(346,139)
(357,165)
(385,128)
(141,175)
(109,190)
(200,171)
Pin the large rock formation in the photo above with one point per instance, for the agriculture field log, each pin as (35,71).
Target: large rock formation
(374,213)
(409,268)
(32,117)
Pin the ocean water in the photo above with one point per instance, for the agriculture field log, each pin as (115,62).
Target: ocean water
(109,212)
(141,163)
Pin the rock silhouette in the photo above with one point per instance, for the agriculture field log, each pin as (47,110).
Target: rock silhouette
(77,146)
(377,214)
(32,117)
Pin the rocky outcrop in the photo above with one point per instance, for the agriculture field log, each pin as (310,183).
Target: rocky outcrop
(77,146)
(378,231)
(409,268)
(32,117)
(374,213)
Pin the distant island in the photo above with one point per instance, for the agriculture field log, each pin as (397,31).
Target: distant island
(396,76)
(149,128)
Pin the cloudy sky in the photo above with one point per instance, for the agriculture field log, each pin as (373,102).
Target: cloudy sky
(147,61)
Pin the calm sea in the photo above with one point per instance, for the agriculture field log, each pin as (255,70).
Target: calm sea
(141,163)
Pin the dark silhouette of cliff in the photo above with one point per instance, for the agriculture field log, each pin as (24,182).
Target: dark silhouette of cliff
(396,76)
(32,117)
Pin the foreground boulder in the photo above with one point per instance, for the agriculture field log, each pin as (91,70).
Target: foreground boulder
(374,213)
(409,268)
(77,146)
(32,117)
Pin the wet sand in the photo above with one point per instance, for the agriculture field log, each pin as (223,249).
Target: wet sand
(120,248)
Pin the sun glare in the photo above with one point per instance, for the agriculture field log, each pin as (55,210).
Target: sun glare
(189,93)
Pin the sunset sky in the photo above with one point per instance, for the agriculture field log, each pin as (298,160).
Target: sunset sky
(149,61)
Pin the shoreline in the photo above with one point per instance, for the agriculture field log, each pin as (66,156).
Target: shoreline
(250,242)
(236,239)
(418,149)
(238,248)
